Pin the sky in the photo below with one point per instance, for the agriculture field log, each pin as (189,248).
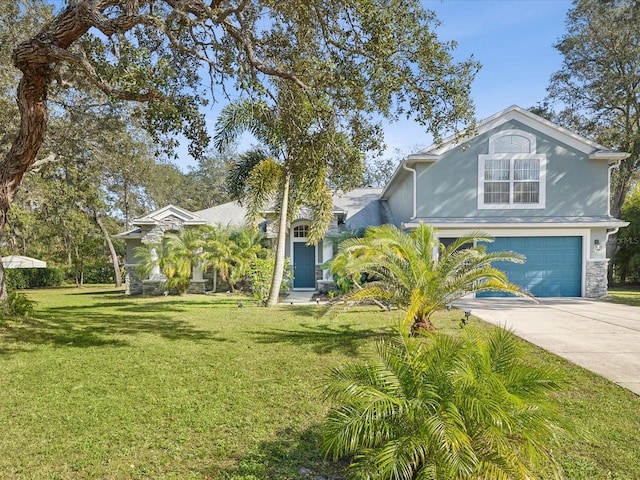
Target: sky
(512,39)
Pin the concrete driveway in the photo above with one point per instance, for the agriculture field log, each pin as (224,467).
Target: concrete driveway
(599,336)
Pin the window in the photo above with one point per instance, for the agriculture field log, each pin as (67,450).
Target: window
(301,231)
(512,175)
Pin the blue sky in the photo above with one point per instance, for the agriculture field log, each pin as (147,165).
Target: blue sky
(512,39)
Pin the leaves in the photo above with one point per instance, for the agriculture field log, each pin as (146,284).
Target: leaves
(441,407)
(404,270)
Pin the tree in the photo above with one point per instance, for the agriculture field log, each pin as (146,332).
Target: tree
(366,56)
(231,253)
(378,171)
(628,257)
(442,408)
(403,270)
(599,84)
(304,149)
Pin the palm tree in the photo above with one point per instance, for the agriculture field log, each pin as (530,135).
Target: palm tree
(175,257)
(415,271)
(443,407)
(302,147)
(217,253)
(231,252)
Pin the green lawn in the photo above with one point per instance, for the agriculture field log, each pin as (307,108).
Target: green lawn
(101,385)
(629,295)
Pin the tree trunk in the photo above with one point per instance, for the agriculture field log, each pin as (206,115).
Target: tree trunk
(34,59)
(114,256)
(278,267)
(3,284)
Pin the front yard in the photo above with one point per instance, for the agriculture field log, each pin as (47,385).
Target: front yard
(100,385)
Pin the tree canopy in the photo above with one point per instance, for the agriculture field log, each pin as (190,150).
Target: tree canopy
(598,86)
(369,57)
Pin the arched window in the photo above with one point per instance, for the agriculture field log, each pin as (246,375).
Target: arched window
(512,174)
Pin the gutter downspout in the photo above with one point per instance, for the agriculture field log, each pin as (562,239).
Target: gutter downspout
(611,168)
(415,187)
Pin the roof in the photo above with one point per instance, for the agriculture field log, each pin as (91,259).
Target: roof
(534,121)
(20,261)
(133,233)
(360,207)
(230,213)
(185,216)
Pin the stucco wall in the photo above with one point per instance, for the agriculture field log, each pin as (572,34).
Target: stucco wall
(400,199)
(575,185)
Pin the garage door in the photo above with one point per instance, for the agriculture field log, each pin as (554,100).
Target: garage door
(553,267)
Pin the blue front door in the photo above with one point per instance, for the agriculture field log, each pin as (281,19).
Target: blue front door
(304,265)
(553,267)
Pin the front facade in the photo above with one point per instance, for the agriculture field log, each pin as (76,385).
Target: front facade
(539,189)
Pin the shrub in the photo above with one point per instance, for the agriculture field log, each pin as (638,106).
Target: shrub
(21,278)
(261,275)
(97,274)
(18,305)
(442,407)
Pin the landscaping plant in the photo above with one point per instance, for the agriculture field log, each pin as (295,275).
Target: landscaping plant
(415,271)
(442,407)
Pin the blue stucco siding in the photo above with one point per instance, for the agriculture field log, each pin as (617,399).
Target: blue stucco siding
(400,201)
(575,185)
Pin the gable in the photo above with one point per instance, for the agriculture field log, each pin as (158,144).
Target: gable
(531,122)
(170,214)
(515,164)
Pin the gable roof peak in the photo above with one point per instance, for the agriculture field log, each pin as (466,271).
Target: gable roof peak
(156,216)
(530,119)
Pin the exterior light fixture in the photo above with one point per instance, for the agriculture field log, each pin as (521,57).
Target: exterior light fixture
(597,245)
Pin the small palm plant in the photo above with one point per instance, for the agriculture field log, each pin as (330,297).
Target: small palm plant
(175,256)
(443,407)
(416,272)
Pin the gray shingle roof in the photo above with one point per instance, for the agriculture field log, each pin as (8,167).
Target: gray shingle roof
(230,213)
(361,207)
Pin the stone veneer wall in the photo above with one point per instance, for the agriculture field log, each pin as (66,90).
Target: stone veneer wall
(596,278)
(133,283)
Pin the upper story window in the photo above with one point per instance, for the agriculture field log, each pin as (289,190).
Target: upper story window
(301,231)
(512,174)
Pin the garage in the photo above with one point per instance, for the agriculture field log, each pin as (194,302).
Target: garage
(553,267)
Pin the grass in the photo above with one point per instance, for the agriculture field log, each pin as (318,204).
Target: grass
(629,295)
(99,385)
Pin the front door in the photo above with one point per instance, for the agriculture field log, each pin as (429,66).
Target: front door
(304,265)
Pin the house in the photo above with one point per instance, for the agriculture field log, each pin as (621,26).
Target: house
(354,210)
(539,189)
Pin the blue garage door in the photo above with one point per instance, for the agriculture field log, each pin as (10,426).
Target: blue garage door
(553,267)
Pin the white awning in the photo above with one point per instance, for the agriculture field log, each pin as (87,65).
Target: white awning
(18,261)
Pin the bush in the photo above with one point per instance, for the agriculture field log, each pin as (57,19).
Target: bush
(18,305)
(443,406)
(96,274)
(21,278)
(261,275)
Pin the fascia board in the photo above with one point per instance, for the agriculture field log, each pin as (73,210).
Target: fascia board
(612,157)
(540,225)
